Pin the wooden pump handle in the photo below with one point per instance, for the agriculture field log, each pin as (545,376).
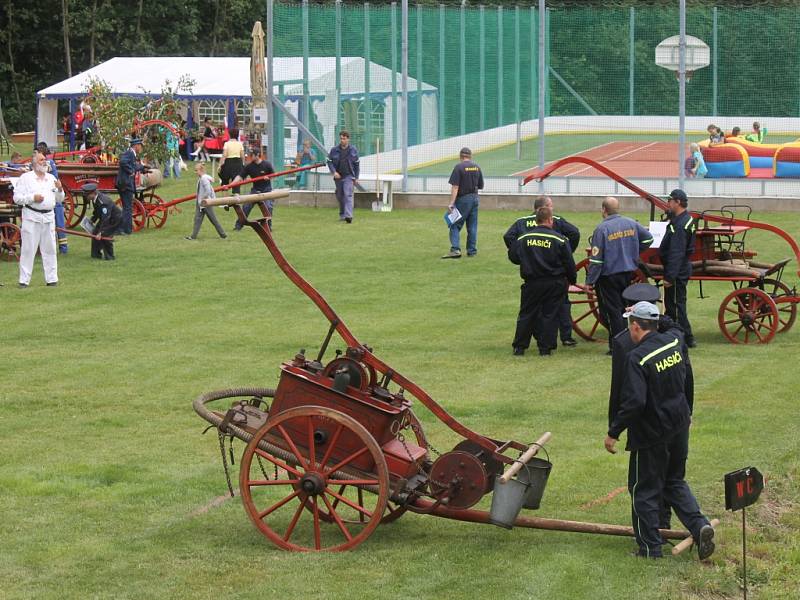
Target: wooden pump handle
(247,199)
(523,460)
(687,543)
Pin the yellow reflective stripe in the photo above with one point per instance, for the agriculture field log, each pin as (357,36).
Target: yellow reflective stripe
(650,241)
(546,235)
(596,261)
(672,344)
(688,223)
(671,228)
(526,218)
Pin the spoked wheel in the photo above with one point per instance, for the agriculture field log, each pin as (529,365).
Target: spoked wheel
(139,214)
(9,241)
(787,311)
(327,465)
(748,316)
(75,206)
(156,216)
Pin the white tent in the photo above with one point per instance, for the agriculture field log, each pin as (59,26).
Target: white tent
(222,78)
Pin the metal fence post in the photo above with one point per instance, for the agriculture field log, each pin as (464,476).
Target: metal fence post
(482,67)
(367,90)
(463,68)
(306,103)
(419,74)
(715,72)
(517,82)
(393,53)
(682,93)
(338,34)
(542,85)
(499,66)
(271,125)
(631,58)
(441,72)
(404,91)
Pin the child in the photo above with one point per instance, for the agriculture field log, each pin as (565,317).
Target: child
(205,191)
(758,134)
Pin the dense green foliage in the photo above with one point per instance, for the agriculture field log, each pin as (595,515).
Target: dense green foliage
(758,72)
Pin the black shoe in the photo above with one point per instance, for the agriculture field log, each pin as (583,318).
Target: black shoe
(23,285)
(545,353)
(348,219)
(691,343)
(569,342)
(608,353)
(705,545)
(641,554)
(110,258)
(519,351)
(52,284)
(190,238)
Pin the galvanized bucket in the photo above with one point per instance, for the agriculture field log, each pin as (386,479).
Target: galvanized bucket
(508,498)
(536,477)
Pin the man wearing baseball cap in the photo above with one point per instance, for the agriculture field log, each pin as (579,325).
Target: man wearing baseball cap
(465,181)
(656,410)
(129,165)
(675,250)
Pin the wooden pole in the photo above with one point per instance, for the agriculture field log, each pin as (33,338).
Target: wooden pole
(480,516)
(523,460)
(687,543)
(247,199)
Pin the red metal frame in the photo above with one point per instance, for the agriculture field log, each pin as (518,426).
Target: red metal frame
(661,204)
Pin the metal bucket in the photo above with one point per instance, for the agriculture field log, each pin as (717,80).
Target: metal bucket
(535,476)
(507,500)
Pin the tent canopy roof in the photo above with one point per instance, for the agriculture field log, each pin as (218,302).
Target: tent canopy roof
(229,77)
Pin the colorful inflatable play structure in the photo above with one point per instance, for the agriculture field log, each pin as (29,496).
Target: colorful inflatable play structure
(739,157)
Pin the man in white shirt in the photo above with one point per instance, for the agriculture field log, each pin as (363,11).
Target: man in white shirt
(38,192)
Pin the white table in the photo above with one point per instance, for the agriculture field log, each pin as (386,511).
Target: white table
(369,181)
(214,158)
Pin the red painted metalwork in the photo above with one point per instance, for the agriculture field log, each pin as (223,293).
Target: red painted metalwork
(751,328)
(329,459)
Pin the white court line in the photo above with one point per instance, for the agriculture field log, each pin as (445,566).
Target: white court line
(612,158)
(534,169)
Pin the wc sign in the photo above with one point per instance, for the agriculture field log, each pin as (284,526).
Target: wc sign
(742,488)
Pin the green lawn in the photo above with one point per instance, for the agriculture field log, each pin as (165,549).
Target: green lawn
(104,467)
(503,161)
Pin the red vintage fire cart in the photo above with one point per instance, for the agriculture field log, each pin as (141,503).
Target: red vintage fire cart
(9,217)
(759,306)
(336,449)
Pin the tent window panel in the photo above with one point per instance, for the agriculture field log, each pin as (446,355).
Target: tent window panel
(244,113)
(211,109)
(353,116)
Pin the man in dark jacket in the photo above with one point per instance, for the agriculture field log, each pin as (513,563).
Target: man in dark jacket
(129,165)
(106,218)
(343,164)
(675,250)
(547,268)
(656,410)
(524,225)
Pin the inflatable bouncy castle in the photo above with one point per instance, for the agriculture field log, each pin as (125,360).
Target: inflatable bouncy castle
(739,157)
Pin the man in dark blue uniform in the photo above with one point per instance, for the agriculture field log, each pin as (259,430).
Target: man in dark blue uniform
(547,268)
(675,250)
(106,217)
(343,163)
(656,408)
(524,225)
(129,165)
(616,243)
(465,181)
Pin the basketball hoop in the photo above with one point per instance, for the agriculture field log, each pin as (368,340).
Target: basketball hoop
(698,55)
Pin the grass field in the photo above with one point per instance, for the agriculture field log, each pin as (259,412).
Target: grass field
(502,161)
(104,469)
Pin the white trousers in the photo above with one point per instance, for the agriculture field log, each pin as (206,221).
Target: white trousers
(42,236)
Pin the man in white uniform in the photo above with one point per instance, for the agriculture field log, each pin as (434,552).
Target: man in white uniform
(37,192)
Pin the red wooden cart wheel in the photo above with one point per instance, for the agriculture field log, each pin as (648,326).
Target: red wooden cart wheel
(748,315)
(139,214)
(787,311)
(75,207)
(586,319)
(156,216)
(315,449)
(9,241)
